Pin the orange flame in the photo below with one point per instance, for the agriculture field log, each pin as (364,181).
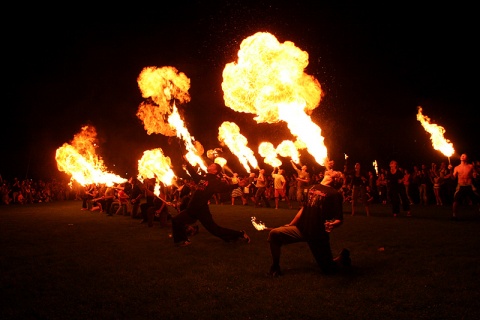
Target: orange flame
(229,134)
(80,161)
(259,225)
(161,86)
(194,148)
(436,135)
(268,80)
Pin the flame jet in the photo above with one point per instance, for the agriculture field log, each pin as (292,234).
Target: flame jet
(79,160)
(229,134)
(268,80)
(436,135)
(163,87)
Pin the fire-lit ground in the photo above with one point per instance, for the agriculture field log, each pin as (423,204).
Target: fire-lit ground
(60,262)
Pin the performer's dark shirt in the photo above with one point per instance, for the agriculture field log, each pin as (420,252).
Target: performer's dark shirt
(323,203)
(206,186)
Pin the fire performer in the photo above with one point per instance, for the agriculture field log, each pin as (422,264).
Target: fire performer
(198,208)
(322,211)
(464,173)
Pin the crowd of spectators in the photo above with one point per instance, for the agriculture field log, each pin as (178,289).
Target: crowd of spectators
(426,185)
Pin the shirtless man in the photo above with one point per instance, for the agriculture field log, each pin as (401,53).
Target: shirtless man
(465,174)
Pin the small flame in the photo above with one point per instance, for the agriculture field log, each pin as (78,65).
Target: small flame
(375,165)
(259,225)
(436,135)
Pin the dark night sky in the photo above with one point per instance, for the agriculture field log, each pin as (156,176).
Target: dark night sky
(375,65)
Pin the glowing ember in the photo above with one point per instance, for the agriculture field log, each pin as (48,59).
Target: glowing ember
(438,141)
(229,134)
(154,164)
(259,225)
(80,161)
(268,80)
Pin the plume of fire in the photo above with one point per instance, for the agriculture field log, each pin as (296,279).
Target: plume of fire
(268,80)
(154,164)
(79,160)
(161,86)
(164,87)
(436,135)
(193,147)
(229,134)
(269,154)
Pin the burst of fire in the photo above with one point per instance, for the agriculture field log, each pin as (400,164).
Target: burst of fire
(288,149)
(269,154)
(80,161)
(154,164)
(436,135)
(229,134)
(161,86)
(268,80)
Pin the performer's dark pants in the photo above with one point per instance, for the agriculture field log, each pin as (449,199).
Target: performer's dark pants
(202,214)
(320,247)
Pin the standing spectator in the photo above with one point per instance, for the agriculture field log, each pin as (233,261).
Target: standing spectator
(261,189)
(407,181)
(303,179)
(382,188)
(250,188)
(280,186)
(396,190)
(358,184)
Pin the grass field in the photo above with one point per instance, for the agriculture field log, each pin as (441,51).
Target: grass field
(58,262)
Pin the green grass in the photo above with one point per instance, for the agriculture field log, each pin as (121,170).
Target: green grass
(58,262)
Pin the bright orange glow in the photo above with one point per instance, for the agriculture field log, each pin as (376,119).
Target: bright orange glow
(154,164)
(288,149)
(436,135)
(80,161)
(269,154)
(268,80)
(161,86)
(164,86)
